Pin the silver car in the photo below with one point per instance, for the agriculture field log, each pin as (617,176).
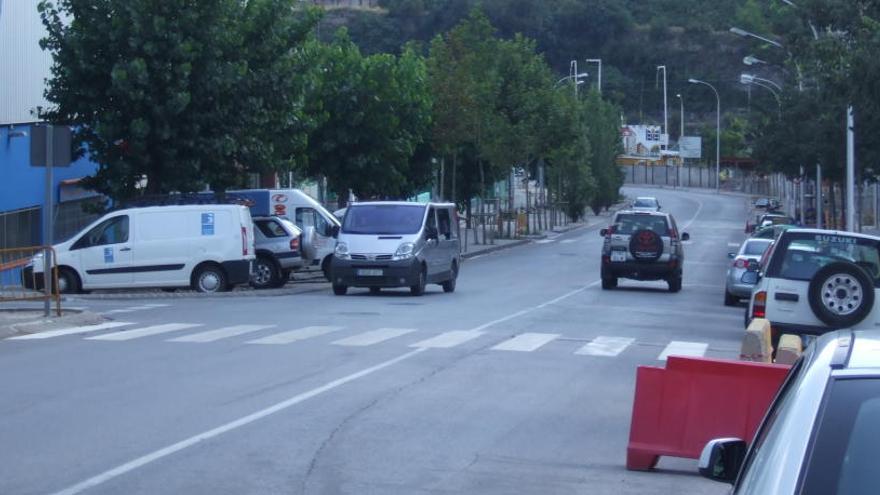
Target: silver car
(279,251)
(821,434)
(646,203)
(750,251)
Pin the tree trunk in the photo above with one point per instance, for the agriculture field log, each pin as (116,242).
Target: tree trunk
(832,202)
(454,183)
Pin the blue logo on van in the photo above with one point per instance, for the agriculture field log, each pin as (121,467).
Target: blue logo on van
(108,255)
(207,224)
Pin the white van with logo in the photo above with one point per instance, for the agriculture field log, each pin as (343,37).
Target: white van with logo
(397,244)
(207,247)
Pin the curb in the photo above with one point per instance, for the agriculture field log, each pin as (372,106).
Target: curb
(500,247)
(192,295)
(42,324)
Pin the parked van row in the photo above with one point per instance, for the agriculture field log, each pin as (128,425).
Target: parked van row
(213,247)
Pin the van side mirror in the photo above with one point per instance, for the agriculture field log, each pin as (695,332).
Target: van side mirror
(603,232)
(333,231)
(685,236)
(722,459)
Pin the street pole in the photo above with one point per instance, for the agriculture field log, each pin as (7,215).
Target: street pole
(681,127)
(665,107)
(717,132)
(850,171)
(801,198)
(47,224)
(597,61)
(819,218)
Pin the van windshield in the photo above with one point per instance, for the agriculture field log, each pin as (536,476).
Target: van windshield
(384,219)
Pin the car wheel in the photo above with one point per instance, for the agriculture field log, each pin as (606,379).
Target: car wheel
(609,283)
(375,290)
(841,294)
(730,299)
(674,284)
(419,288)
(265,273)
(283,278)
(340,290)
(449,285)
(209,279)
(68,282)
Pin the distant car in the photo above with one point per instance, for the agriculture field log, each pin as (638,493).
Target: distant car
(771,231)
(749,252)
(762,203)
(821,434)
(645,203)
(642,245)
(767,219)
(279,251)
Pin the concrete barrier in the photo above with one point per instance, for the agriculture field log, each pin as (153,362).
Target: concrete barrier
(790,349)
(756,344)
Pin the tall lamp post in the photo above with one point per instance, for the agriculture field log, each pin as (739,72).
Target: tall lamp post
(681,121)
(665,107)
(599,77)
(717,132)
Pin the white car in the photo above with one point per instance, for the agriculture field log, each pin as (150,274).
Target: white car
(814,281)
(645,203)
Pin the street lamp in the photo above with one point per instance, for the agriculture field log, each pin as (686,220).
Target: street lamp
(746,34)
(599,79)
(749,79)
(665,106)
(681,122)
(752,80)
(752,60)
(717,132)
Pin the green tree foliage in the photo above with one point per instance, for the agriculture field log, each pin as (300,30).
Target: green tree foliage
(184,93)
(603,132)
(374,114)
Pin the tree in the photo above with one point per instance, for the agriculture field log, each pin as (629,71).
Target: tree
(182,93)
(603,131)
(374,115)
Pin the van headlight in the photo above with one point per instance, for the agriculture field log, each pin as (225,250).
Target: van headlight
(341,251)
(404,251)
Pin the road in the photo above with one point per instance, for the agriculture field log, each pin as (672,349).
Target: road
(494,389)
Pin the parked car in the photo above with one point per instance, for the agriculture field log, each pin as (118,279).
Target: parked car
(750,251)
(641,245)
(207,247)
(815,281)
(397,244)
(766,203)
(645,203)
(821,434)
(771,231)
(278,245)
(767,219)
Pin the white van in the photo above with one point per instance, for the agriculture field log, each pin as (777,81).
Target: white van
(303,210)
(397,244)
(207,247)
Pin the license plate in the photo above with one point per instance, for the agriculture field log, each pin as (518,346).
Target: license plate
(618,256)
(367,272)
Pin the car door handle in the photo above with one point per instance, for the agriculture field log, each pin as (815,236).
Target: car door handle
(122,250)
(786,296)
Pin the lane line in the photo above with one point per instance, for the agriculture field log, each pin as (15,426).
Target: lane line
(72,331)
(448,339)
(220,333)
(696,214)
(605,346)
(232,425)
(569,241)
(679,348)
(526,342)
(292,336)
(144,332)
(374,336)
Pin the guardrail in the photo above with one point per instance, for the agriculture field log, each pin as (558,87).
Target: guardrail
(18,282)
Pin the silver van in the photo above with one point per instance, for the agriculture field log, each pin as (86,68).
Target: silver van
(397,244)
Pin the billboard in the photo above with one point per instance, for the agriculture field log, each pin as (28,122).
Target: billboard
(690,146)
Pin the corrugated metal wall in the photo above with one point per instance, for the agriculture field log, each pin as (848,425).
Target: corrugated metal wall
(23,65)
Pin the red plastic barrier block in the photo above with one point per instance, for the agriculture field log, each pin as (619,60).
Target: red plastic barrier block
(679,408)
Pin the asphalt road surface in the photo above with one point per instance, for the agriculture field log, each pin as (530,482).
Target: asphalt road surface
(519,382)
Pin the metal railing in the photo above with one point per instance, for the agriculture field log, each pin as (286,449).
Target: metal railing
(20,282)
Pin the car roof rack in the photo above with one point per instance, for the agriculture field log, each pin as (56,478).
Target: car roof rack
(176,199)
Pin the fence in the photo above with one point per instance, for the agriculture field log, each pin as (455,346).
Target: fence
(495,218)
(18,282)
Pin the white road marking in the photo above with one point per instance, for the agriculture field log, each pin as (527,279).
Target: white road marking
(134,308)
(545,241)
(144,332)
(526,342)
(678,348)
(295,335)
(232,425)
(605,346)
(568,241)
(732,244)
(374,336)
(448,339)
(220,333)
(157,305)
(696,214)
(72,330)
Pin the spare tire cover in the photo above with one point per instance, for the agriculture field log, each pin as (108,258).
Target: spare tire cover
(645,245)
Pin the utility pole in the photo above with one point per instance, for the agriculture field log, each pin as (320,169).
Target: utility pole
(665,106)
(819,218)
(47,226)
(850,171)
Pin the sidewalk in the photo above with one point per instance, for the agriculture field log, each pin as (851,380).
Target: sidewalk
(31,320)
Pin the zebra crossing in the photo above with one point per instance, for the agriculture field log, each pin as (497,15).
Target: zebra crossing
(601,346)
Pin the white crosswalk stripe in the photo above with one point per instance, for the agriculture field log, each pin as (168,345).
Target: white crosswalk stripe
(678,348)
(448,339)
(526,342)
(605,346)
(568,241)
(220,333)
(134,308)
(72,331)
(295,335)
(374,336)
(144,332)
(545,241)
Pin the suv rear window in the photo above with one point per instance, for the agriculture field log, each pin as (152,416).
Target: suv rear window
(628,223)
(803,254)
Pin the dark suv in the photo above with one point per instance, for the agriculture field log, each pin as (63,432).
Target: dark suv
(642,245)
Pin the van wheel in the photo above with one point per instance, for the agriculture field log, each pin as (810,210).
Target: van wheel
(449,285)
(841,294)
(674,283)
(68,281)
(375,290)
(340,290)
(419,288)
(265,273)
(209,279)
(730,299)
(609,283)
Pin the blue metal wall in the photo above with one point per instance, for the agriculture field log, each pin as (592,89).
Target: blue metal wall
(23,186)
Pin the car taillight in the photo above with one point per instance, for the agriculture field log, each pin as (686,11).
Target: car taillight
(244,241)
(294,244)
(740,263)
(759,307)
